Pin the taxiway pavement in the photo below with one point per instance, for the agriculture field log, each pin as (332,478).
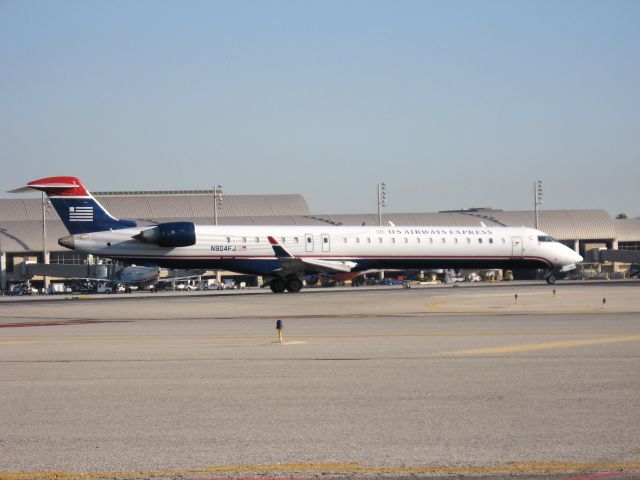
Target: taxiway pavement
(420,382)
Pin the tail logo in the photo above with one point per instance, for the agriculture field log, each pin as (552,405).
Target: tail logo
(81,214)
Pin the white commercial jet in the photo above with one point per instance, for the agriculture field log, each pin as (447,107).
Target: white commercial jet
(287,253)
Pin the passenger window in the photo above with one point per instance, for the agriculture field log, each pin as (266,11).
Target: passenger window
(325,239)
(406,240)
(368,239)
(491,240)
(244,239)
(296,239)
(309,239)
(418,240)
(257,239)
(479,240)
(393,240)
(379,239)
(444,240)
(228,239)
(468,240)
(282,239)
(357,239)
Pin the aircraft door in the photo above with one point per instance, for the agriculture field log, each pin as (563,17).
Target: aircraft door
(516,247)
(308,242)
(326,243)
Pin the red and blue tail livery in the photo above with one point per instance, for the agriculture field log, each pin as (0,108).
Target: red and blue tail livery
(78,210)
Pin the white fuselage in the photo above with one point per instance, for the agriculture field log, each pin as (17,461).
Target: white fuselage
(247,249)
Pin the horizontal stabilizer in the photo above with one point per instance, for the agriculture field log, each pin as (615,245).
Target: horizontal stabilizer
(44,187)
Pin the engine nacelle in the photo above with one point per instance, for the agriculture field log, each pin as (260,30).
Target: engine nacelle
(171,234)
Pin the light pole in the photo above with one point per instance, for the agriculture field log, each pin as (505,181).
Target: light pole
(217,204)
(382,200)
(537,198)
(45,254)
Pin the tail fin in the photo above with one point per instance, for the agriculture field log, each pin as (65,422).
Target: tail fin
(78,210)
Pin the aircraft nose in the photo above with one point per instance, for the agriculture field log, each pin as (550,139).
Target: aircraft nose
(573,256)
(67,242)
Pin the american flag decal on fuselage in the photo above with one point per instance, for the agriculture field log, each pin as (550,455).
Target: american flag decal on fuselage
(81,214)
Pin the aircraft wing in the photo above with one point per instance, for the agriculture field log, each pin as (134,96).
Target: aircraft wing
(292,265)
(177,279)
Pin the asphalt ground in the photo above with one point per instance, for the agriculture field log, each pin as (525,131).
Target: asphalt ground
(453,382)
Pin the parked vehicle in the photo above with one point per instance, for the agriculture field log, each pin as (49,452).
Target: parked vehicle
(229,284)
(58,289)
(208,284)
(473,277)
(188,286)
(22,289)
(110,288)
(102,288)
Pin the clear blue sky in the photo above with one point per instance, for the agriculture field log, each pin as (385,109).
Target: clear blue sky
(452,103)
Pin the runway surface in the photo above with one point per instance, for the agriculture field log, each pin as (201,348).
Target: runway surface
(373,382)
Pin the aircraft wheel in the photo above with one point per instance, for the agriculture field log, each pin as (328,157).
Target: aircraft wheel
(277,285)
(551,279)
(294,284)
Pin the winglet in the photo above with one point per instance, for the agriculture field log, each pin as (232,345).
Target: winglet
(278,249)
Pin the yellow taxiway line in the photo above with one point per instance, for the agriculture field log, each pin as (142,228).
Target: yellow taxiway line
(337,468)
(529,347)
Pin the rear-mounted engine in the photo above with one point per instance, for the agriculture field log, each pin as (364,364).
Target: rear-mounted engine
(171,234)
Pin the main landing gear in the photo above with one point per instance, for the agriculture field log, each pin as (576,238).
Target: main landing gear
(551,279)
(291,284)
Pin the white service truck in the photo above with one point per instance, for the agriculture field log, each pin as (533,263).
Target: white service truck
(58,289)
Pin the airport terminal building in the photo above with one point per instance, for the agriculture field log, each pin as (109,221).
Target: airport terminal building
(30,228)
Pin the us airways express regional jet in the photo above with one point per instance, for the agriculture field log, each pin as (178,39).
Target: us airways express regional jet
(287,253)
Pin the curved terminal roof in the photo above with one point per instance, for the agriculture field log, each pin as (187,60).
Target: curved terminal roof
(200,205)
(561,224)
(628,230)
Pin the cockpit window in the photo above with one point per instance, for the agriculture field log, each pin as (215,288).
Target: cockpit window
(546,238)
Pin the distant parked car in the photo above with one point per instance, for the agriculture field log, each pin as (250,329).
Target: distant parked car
(58,289)
(22,289)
